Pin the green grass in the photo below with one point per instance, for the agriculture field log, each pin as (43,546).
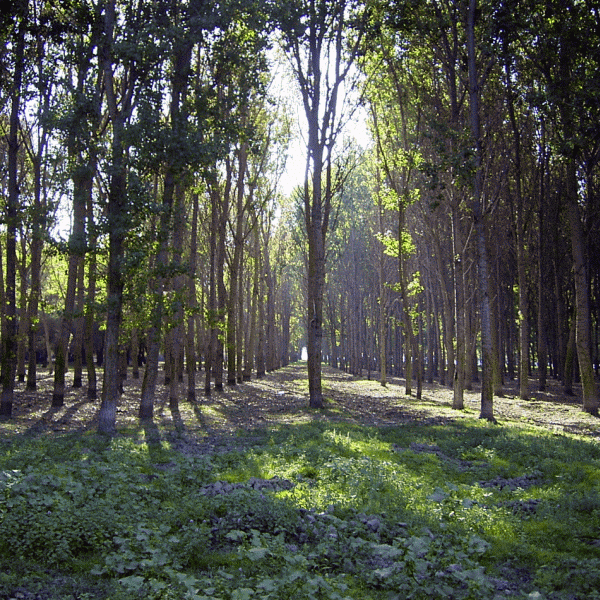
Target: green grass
(415,511)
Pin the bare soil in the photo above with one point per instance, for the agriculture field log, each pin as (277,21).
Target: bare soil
(281,397)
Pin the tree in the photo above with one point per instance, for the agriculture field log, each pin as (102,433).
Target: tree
(322,42)
(120,106)
(477,209)
(8,360)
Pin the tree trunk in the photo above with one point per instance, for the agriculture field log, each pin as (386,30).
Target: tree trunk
(78,327)
(22,325)
(260,310)
(583,340)
(271,342)
(90,310)
(212,293)
(234,269)
(117,217)
(315,285)
(135,353)
(250,349)
(153,334)
(192,303)
(542,276)
(569,360)
(458,401)
(521,242)
(8,356)
(408,325)
(487,398)
(36,279)
(219,355)
(176,345)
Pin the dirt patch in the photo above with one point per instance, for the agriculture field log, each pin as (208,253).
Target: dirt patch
(281,398)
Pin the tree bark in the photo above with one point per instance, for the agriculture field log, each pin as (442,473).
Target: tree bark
(192,303)
(117,217)
(234,269)
(78,327)
(583,340)
(521,242)
(8,356)
(487,397)
(22,325)
(212,292)
(90,305)
(458,400)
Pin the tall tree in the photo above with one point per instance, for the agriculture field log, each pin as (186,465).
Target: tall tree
(119,100)
(8,358)
(322,42)
(477,209)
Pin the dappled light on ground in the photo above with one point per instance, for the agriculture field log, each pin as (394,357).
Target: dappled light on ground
(281,398)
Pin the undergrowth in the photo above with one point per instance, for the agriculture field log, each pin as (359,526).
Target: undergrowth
(464,510)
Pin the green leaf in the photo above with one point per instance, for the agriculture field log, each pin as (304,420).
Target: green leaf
(132,582)
(242,594)
(268,585)
(255,554)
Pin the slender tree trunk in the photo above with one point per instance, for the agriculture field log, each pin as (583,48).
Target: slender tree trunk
(36,279)
(447,364)
(260,342)
(408,325)
(117,217)
(583,340)
(496,324)
(429,327)
(192,303)
(117,206)
(542,349)
(8,356)
(252,339)
(90,310)
(153,334)
(521,242)
(78,327)
(178,313)
(459,308)
(212,292)
(316,270)
(22,326)
(235,269)
(419,355)
(135,353)
(271,343)
(569,360)
(286,313)
(487,397)
(220,282)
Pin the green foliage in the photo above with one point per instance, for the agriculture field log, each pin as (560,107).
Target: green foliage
(392,245)
(425,511)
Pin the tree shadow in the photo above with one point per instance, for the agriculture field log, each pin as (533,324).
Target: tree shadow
(151,432)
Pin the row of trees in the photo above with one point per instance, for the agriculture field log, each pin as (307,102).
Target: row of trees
(484,185)
(463,236)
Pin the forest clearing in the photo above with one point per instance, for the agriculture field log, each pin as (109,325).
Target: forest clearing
(252,494)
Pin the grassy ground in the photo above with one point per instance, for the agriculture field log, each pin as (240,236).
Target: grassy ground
(249,494)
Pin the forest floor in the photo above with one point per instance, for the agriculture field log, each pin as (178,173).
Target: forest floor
(229,426)
(281,398)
